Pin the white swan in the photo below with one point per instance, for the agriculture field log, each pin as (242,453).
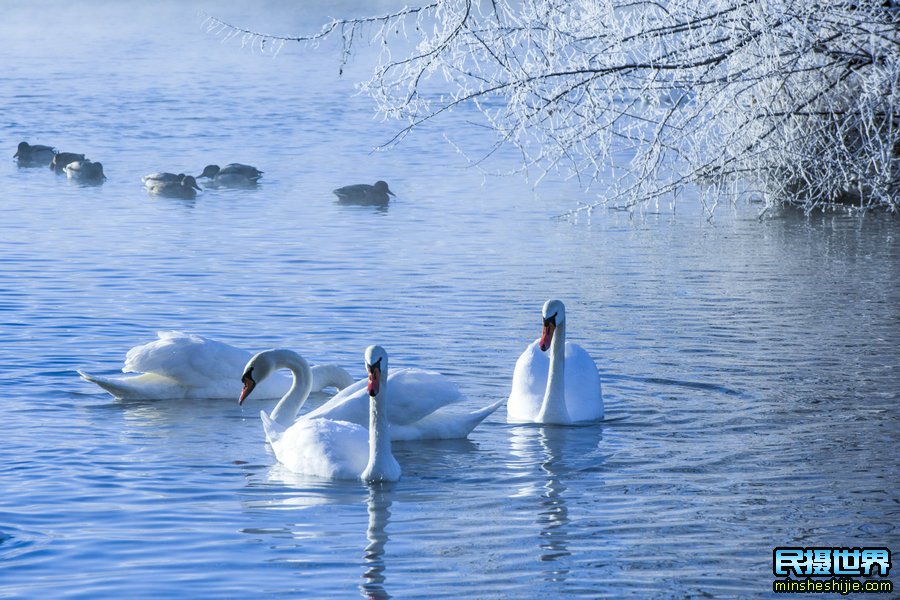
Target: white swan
(422,402)
(564,389)
(181,365)
(324,447)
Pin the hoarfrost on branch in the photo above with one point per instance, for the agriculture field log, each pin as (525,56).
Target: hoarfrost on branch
(796,101)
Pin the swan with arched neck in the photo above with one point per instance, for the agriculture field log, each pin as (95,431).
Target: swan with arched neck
(424,404)
(189,366)
(328,448)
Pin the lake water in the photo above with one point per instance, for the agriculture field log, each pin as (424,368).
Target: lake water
(749,367)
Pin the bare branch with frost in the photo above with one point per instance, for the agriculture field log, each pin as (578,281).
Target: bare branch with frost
(641,99)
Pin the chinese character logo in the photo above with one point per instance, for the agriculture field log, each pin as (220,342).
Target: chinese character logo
(830,562)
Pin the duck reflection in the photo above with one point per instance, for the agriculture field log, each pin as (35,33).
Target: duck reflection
(559,452)
(379,506)
(375,207)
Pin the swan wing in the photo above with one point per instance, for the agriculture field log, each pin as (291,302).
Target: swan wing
(584,400)
(190,359)
(412,394)
(350,404)
(320,447)
(273,429)
(444,424)
(198,367)
(528,385)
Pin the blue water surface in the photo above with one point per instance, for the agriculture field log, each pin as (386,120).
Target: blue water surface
(749,367)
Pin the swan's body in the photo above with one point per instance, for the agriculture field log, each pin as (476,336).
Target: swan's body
(232,175)
(363,193)
(184,186)
(423,404)
(320,447)
(561,388)
(62,159)
(85,171)
(179,365)
(328,448)
(28,155)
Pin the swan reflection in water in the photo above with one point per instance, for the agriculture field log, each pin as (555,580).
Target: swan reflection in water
(379,507)
(561,453)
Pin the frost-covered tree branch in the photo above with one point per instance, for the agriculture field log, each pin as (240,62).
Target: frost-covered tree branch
(796,99)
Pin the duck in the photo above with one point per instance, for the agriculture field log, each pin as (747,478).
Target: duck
(62,159)
(422,402)
(36,155)
(232,175)
(162,176)
(363,193)
(185,187)
(561,390)
(190,366)
(85,171)
(331,448)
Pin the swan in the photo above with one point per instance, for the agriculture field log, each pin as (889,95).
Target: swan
(181,365)
(421,401)
(363,193)
(327,448)
(85,171)
(233,175)
(564,389)
(62,159)
(184,187)
(33,156)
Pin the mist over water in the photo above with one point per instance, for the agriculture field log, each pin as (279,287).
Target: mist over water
(749,367)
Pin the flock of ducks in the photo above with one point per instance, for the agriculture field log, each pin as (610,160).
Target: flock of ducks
(185,186)
(75,166)
(349,437)
(235,175)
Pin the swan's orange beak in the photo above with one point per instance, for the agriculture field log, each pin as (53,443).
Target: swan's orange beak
(249,384)
(547,334)
(374,380)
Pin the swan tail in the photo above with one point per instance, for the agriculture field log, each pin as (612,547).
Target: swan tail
(475,418)
(470,421)
(114,386)
(324,376)
(441,426)
(148,386)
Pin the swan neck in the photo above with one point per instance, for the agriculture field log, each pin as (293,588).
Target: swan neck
(380,456)
(324,376)
(287,408)
(553,409)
